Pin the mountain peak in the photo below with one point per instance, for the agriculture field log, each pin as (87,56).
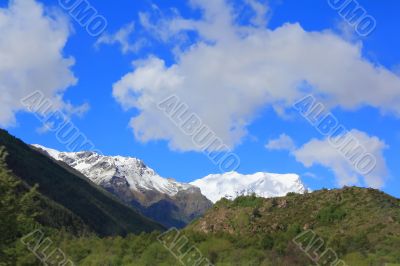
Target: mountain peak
(101,169)
(232,184)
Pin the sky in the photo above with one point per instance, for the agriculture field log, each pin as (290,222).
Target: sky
(250,72)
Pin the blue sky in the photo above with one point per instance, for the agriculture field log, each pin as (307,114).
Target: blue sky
(357,78)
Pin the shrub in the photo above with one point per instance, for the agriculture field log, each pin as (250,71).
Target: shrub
(330,214)
(248,201)
(267,242)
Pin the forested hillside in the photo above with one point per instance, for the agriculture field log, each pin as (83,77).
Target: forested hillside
(98,209)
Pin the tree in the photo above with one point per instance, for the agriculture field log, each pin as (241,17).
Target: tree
(17,212)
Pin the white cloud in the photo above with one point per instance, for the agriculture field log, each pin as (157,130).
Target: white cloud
(31,57)
(311,175)
(322,152)
(233,71)
(122,37)
(347,31)
(261,12)
(284,142)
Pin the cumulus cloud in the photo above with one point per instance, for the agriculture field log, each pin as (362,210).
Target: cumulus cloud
(284,142)
(122,38)
(31,57)
(261,10)
(232,71)
(342,159)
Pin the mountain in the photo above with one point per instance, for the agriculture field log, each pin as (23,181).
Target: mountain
(62,186)
(167,201)
(358,225)
(350,226)
(231,185)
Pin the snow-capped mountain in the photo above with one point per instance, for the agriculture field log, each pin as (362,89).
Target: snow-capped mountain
(231,185)
(163,199)
(102,169)
(170,202)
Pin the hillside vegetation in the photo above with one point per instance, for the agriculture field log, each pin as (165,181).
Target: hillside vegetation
(98,209)
(361,225)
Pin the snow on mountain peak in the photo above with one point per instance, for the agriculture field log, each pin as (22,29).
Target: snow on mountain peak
(231,185)
(101,169)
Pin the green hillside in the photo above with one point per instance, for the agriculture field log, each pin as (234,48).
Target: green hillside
(98,209)
(362,226)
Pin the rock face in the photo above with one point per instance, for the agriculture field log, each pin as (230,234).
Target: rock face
(231,185)
(171,203)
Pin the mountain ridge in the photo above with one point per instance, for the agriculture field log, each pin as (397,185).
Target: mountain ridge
(100,210)
(172,203)
(87,163)
(360,226)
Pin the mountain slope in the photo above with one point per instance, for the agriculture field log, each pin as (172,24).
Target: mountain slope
(231,185)
(100,211)
(167,201)
(362,226)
